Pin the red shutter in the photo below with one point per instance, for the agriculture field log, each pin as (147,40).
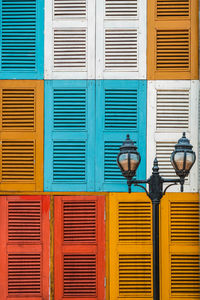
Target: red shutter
(79,245)
(24,247)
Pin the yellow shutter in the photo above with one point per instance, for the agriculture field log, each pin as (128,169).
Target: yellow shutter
(130,246)
(21,135)
(172,40)
(180,269)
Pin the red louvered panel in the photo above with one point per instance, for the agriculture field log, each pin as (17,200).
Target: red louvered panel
(24,247)
(79,247)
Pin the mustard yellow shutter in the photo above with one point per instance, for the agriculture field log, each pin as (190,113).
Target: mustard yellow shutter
(172,39)
(130,246)
(21,135)
(180,268)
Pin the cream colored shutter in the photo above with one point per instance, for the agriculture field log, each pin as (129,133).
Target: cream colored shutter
(121,39)
(69,39)
(171,110)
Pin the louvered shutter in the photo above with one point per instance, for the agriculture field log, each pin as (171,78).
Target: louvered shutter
(121,109)
(24,247)
(69,135)
(130,246)
(180,246)
(172,48)
(79,247)
(121,39)
(22,40)
(69,39)
(172,109)
(21,137)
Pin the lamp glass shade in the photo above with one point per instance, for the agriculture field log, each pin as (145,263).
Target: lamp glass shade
(190,159)
(134,161)
(179,160)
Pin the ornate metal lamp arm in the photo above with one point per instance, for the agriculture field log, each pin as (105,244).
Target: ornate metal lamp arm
(155,182)
(155,193)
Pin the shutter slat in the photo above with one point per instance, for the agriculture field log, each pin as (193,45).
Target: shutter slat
(20,167)
(184,222)
(74,39)
(122,39)
(69,109)
(79,221)
(172,111)
(70,9)
(30,265)
(19,32)
(171,8)
(24,221)
(18,109)
(185,272)
(121,9)
(134,222)
(172,48)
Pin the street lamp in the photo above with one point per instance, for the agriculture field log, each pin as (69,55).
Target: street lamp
(182,159)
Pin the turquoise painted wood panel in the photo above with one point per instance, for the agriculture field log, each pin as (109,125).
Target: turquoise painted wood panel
(69,135)
(120,110)
(22,39)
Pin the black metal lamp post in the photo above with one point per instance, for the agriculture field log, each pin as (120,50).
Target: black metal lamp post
(182,159)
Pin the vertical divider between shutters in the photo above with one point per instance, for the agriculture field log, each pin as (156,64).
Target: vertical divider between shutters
(51,247)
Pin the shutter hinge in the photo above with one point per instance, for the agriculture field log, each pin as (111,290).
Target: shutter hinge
(104,215)
(49,215)
(105,282)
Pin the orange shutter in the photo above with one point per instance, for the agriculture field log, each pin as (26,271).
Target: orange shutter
(24,247)
(180,268)
(130,246)
(172,42)
(21,135)
(79,247)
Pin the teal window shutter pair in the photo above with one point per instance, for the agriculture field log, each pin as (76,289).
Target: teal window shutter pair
(22,39)
(86,122)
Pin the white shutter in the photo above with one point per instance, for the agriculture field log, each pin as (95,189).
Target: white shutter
(172,108)
(121,39)
(70,39)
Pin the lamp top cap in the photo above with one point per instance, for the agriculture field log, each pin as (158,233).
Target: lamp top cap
(183,142)
(128,144)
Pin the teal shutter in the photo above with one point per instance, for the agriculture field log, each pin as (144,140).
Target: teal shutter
(69,135)
(120,110)
(22,50)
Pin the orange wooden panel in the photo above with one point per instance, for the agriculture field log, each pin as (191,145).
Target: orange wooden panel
(21,135)
(24,247)
(179,242)
(130,246)
(79,247)
(172,39)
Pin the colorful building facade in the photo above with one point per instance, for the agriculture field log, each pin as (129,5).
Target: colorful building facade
(76,76)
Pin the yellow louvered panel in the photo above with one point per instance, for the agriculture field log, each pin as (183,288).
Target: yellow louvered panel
(134,222)
(173,8)
(21,135)
(172,39)
(130,246)
(18,109)
(172,50)
(135,275)
(185,275)
(180,258)
(184,222)
(18,160)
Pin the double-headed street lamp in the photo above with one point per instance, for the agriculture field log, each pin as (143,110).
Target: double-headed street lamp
(182,159)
